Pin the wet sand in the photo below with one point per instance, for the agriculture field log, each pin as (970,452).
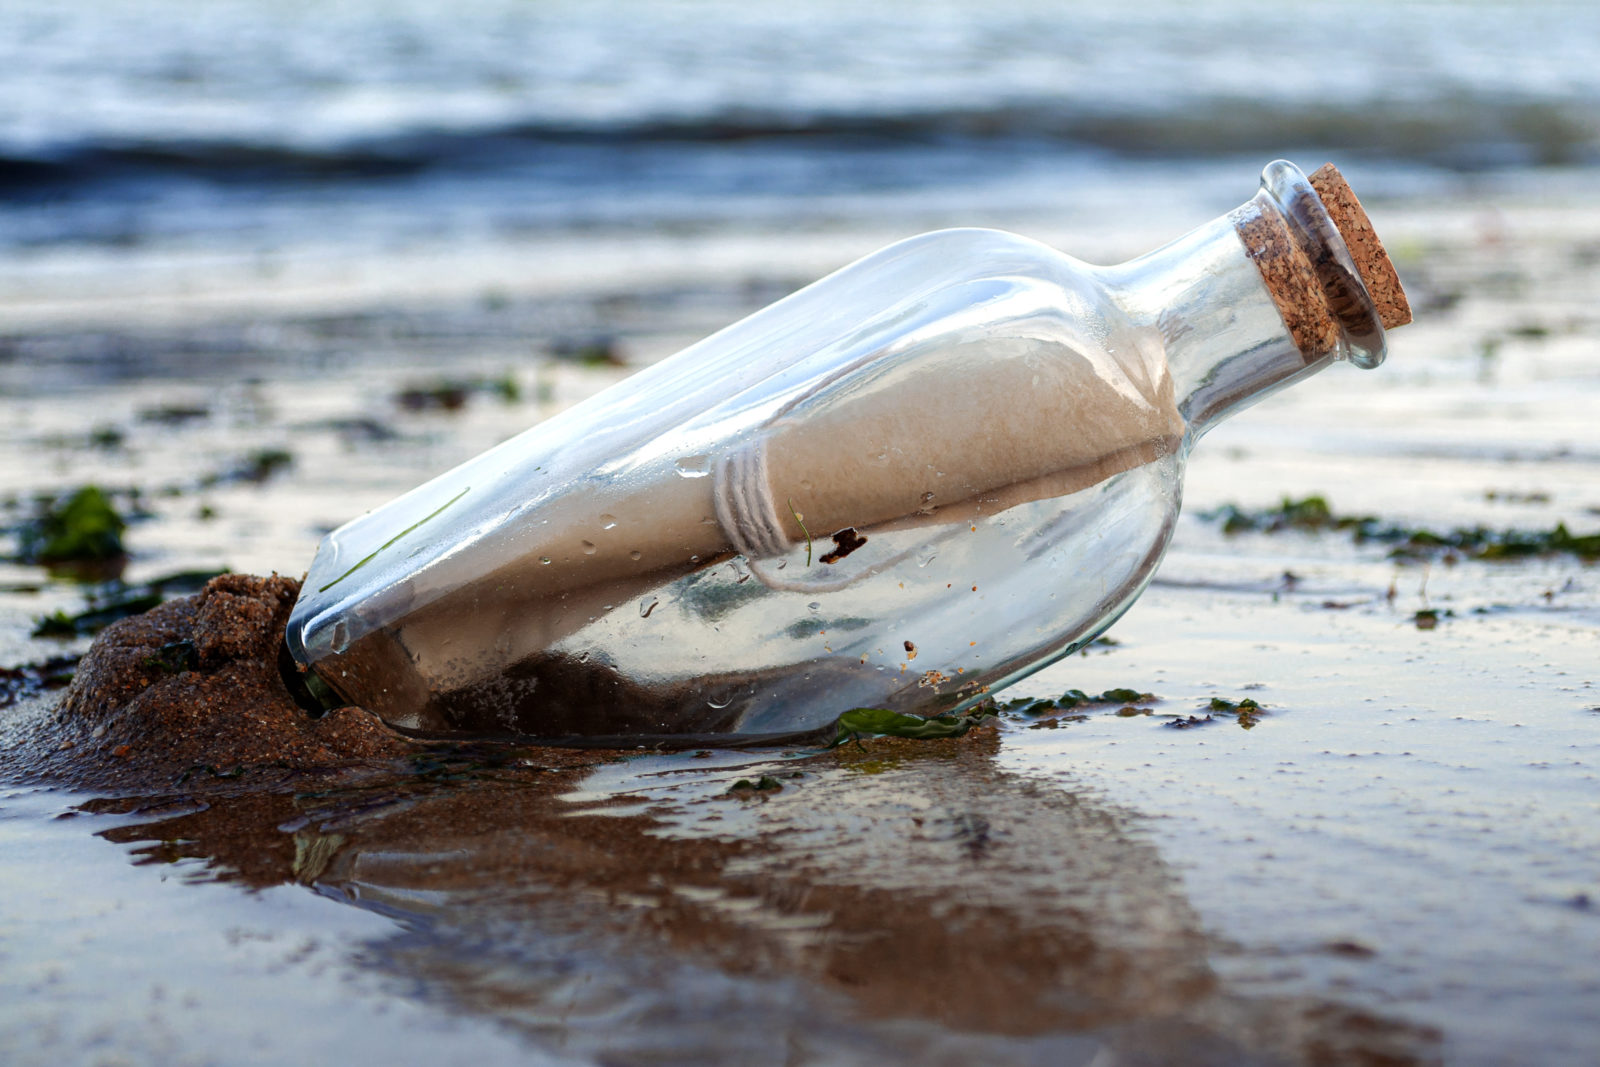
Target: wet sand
(192,688)
(764,900)
(910,900)
(1395,863)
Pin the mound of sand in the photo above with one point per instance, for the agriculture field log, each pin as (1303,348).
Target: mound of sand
(191,690)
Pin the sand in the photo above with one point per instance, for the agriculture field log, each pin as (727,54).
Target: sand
(191,689)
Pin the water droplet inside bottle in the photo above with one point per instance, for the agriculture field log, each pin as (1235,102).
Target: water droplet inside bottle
(815,605)
(927,560)
(544,560)
(608,522)
(646,606)
(636,555)
(721,700)
(588,548)
(341,637)
(693,466)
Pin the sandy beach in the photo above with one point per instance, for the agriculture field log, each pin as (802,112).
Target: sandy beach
(1395,858)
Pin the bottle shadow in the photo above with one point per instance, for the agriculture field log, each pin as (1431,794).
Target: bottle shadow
(906,902)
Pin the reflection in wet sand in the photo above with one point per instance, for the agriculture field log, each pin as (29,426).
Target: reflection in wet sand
(908,903)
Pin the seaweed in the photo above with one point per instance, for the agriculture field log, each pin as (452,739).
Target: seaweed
(174,414)
(1077,698)
(434,396)
(255,468)
(591,352)
(506,388)
(96,617)
(452,394)
(1055,722)
(881,722)
(82,527)
(361,429)
(1428,618)
(1313,513)
(116,601)
(1246,712)
(1308,513)
(109,438)
(764,786)
(261,465)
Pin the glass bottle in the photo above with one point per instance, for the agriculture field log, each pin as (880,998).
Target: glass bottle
(905,486)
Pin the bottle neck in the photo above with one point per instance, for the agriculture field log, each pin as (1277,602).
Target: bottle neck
(1251,302)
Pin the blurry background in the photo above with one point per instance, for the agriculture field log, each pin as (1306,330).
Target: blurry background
(239,154)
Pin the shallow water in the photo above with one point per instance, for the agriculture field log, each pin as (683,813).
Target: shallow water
(1399,860)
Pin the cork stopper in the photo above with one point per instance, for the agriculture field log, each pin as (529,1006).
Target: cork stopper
(1330,297)
(1373,263)
(1290,279)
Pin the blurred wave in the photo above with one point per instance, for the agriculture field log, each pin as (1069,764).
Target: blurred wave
(129,121)
(1460,132)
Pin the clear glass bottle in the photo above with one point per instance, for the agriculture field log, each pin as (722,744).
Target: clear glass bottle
(906,486)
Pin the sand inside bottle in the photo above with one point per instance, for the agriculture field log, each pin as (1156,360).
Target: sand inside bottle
(971,432)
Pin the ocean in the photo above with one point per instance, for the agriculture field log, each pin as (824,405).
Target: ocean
(248,126)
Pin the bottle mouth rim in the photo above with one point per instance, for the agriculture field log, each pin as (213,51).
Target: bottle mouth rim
(1319,238)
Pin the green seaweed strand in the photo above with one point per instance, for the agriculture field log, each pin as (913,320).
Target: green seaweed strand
(374,554)
(803,529)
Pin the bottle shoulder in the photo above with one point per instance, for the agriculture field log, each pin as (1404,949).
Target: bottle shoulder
(983,250)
